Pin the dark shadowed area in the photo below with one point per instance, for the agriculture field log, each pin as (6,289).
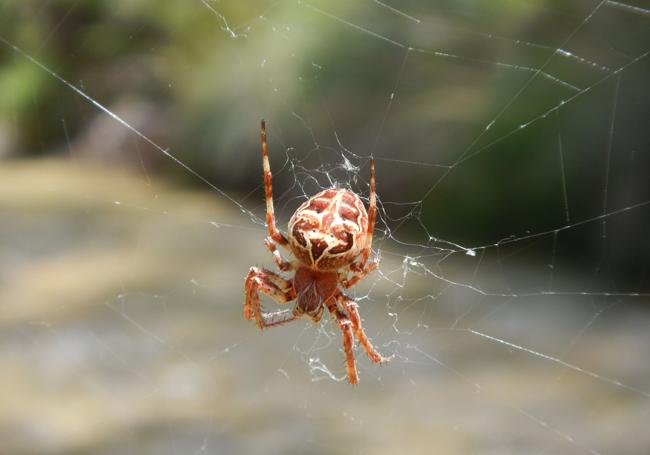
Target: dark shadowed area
(512,156)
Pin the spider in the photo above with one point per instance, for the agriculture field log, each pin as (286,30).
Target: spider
(329,235)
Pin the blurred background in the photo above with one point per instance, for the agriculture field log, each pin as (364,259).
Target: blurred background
(512,148)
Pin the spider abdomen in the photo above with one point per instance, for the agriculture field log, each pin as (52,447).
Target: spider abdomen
(328,230)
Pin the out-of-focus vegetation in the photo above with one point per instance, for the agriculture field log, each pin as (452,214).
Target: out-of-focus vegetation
(196,77)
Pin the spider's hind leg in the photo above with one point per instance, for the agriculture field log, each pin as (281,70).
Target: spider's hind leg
(274,232)
(283,265)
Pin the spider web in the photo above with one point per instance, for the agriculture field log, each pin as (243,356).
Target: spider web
(512,231)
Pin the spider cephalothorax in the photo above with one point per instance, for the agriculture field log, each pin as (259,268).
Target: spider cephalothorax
(330,235)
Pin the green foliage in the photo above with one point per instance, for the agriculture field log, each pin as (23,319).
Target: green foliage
(210,70)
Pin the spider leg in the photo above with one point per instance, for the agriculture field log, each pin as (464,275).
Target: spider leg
(360,266)
(348,339)
(361,273)
(372,214)
(275,234)
(353,311)
(372,209)
(277,257)
(276,287)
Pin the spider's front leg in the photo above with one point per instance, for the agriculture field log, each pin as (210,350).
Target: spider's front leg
(276,287)
(348,340)
(353,311)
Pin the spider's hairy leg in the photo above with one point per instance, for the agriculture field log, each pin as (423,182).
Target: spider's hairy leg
(372,214)
(353,311)
(361,272)
(277,257)
(361,268)
(372,210)
(276,287)
(275,234)
(348,340)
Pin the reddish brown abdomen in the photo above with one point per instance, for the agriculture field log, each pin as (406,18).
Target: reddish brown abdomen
(328,230)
